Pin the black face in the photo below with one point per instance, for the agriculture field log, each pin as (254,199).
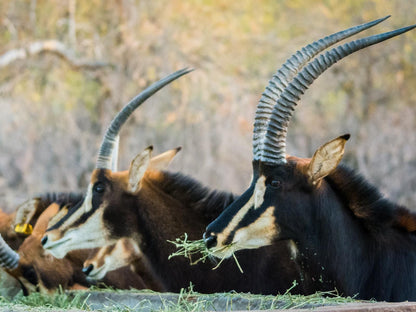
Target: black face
(276,206)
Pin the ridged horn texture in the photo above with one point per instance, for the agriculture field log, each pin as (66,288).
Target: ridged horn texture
(114,156)
(285,74)
(9,259)
(274,150)
(110,138)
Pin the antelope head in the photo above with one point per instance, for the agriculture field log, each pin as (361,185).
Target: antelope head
(285,190)
(86,224)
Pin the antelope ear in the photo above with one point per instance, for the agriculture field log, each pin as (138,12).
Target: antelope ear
(162,161)
(138,167)
(24,215)
(326,159)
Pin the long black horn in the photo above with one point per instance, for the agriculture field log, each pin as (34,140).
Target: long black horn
(109,141)
(9,259)
(285,74)
(274,149)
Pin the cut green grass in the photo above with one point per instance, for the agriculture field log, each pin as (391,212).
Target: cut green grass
(187,300)
(59,299)
(196,251)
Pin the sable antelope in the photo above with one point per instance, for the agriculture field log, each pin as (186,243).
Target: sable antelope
(30,265)
(16,226)
(40,271)
(125,252)
(68,270)
(36,270)
(346,234)
(152,206)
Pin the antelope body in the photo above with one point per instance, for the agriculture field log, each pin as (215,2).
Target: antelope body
(151,206)
(347,236)
(37,270)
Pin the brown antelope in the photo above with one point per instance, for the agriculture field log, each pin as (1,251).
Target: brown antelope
(37,269)
(347,236)
(151,206)
(125,252)
(40,271)
(30,265)
(16,226)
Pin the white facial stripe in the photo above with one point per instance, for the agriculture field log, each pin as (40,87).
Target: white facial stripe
(259,191)
(86,206)
(90,234)
(61,213)
(259,233)
(124,251)
(256,200)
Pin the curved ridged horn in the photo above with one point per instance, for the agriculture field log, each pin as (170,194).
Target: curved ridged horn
(285,74)
(109,141)
(274,149)
(114,156)
(9,259)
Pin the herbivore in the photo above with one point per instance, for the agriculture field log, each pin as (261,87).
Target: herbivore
(152,206)
(30,265)
(125,252)
(347,236)
(37,269)
(17,225)
(40,271)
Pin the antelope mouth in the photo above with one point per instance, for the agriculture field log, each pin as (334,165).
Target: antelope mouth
(53,247)
(96,274)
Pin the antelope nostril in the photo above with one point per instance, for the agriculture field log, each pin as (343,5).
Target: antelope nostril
(87,270)
(210,240)
(44,240)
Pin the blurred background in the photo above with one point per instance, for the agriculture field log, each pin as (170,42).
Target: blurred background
(67,67)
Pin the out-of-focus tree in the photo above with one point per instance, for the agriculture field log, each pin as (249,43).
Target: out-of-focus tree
(54,113)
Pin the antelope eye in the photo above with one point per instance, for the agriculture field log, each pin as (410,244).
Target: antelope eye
(98,188)
(275,183)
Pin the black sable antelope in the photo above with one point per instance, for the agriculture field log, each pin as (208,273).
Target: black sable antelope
(346,234)
(152,206)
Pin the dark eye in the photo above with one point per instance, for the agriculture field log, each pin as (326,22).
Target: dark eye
(274,183)
(98,187)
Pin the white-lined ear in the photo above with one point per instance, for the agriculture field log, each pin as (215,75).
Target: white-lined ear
(326,159)
(138,167)
(162,161)
(26,211)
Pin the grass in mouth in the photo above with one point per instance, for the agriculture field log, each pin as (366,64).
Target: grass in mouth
(196,251)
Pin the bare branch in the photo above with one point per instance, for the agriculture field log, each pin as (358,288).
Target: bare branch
(53,47)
